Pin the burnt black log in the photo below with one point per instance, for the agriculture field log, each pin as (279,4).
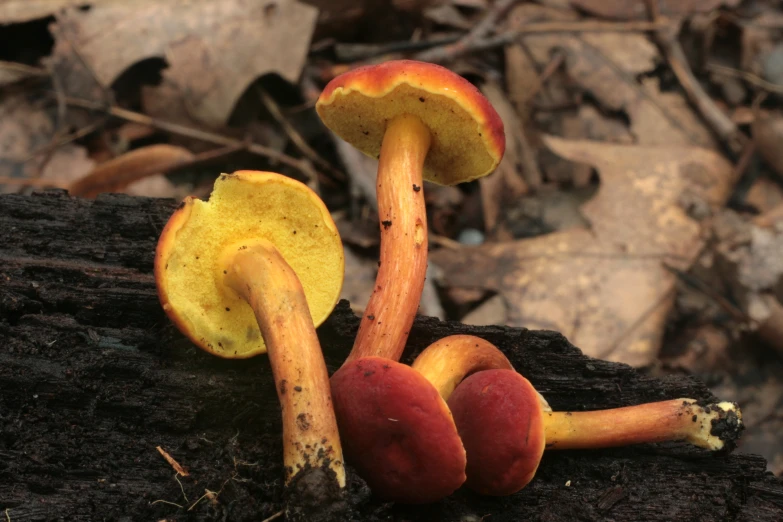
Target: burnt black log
(93,379)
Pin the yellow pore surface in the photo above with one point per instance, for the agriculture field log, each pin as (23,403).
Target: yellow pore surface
(244,207)
(463,147)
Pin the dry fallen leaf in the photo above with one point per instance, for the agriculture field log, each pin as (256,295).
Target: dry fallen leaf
(767,130)
(214,50)
(492,311)
(120,172)
(11,72)
(18,11)
(765,195)
(448,15)
(607,65)
(522,71)
(157,186)
(25,129)
(606,288)
(637,9)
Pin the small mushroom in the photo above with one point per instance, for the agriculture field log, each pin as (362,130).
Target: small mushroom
(505,430)
(398,431)
(255,269)
(423,122)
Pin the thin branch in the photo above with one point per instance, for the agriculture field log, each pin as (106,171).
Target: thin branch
(56,143)
(718,121)
(295,137)
(302,166)
(274,517)
(479,32)
(453,51)
(362,51)
(20,70)
(744,75)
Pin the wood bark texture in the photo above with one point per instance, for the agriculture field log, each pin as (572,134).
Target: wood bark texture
(93,378)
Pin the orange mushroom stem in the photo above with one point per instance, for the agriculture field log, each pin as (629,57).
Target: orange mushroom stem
(703,425)
(423,122)
(255,269)
(446,362)
(505,424)
(504,430)
(261,276)
(403,262)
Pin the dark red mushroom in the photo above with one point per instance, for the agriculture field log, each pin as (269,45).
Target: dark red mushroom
(504,429)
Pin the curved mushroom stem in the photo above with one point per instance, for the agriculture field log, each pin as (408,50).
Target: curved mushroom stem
(392,307)
(261,276)
(711,426)
(449,360)
(446,362)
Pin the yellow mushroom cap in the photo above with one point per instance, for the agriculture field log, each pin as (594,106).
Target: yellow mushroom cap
(244,207)
(467,134)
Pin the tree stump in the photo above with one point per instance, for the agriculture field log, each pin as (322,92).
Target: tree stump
(93,379)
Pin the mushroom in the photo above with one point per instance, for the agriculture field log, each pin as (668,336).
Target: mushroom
(398,431)
(255,269)
(504,429)
(423,122)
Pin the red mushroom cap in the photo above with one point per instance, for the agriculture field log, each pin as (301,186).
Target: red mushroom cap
(500,420)
(397,431)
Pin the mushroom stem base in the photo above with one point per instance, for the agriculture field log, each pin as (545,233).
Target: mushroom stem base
(713,426)
(261,276)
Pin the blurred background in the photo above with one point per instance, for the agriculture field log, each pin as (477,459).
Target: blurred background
(638,209)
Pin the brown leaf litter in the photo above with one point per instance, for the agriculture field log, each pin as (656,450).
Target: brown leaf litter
(605,287)
(214,50)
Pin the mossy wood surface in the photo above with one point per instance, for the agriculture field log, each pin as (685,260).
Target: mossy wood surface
(93,378)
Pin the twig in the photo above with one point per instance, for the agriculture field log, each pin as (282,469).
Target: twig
(274,517)
(478,32)
(161,501)
(554,64)
(181,487)
(699,285)
(57,143)
(302,166)
(207,493)
(505,38)
(528,156)
(720,123)
(294,135)
(8,517)
(652,9)
(747,76)
(742,183)
(22,70)
(59,94)
(173,463)
(354,52)
(212,495)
